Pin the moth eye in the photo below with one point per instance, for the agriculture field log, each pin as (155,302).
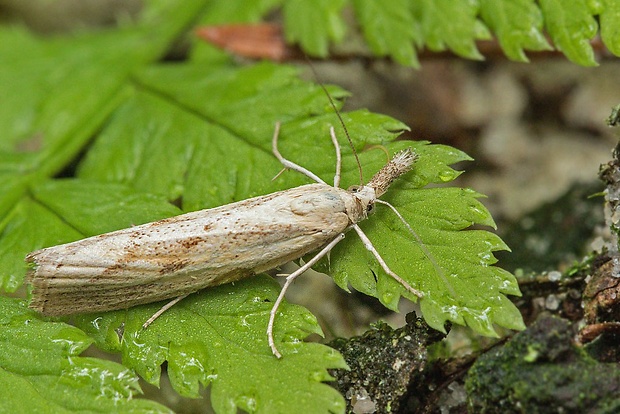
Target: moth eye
(354,189)
(370,208)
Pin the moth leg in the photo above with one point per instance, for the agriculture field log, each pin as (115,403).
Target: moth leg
(332,133)
(422,246)
(368,244)
(289,164)
(289,279)
(162,310)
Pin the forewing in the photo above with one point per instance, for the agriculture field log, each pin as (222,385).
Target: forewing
(183,254)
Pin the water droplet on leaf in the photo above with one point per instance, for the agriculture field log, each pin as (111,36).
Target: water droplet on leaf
(447,175)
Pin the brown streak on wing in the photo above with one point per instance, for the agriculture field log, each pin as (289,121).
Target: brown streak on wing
(183,254)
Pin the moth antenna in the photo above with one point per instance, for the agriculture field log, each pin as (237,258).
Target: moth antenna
(344,127)
(423,247)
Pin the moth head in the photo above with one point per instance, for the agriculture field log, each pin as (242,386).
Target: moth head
(365,195)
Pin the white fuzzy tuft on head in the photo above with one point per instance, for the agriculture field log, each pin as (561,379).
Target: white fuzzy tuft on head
(403,160)
(398,165)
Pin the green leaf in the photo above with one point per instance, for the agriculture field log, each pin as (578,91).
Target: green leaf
(571,26)
(82,205)
(237,11)
(395,27)
(22,232)
(518,25)
(350,262)
(198,135)
(453,25)
(72,208)
(389,29)
(313,24)
(217,338)
(41,370)
(610,32)
(448,263)
(47,116)
(62,211)
(245,103)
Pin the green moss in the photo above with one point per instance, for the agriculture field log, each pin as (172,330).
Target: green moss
(541,370)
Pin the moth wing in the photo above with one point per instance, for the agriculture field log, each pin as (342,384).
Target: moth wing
(183,254)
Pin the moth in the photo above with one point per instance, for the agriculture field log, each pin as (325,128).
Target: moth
(177,256)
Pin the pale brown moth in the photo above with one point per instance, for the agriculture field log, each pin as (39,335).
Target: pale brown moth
(177,256)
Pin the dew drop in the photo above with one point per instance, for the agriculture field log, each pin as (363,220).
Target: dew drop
(317,375)
(309,318)
(387,297)
(248,404)
(257,299)
(476,211)
(452,311)
(485,258)
(447,175)
(333,356)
